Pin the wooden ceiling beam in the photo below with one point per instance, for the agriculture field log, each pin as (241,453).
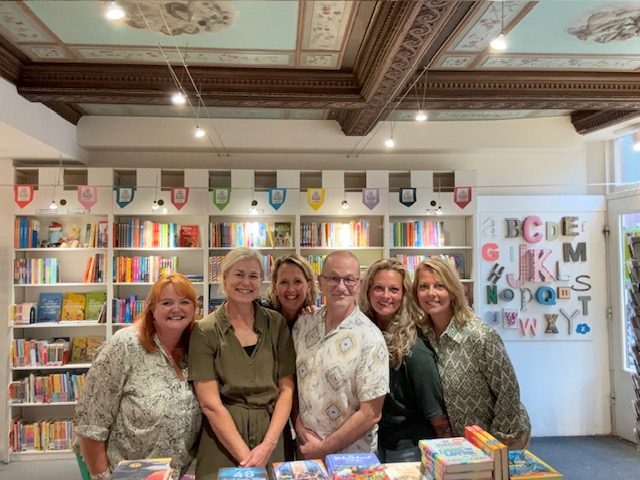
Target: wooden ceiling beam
(401,36)
(153,84)
(588,121)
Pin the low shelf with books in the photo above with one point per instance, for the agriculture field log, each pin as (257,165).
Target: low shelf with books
(259,232)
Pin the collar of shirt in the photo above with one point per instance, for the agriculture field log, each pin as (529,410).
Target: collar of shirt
(259,319)
(454,332)
(347,323)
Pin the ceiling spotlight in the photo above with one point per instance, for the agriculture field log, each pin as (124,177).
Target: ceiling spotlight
(114,12)
(389,142)
(253,209)
(53,205)
(421,116)
(636,141)
(155,206)
(345,204)
(178,98)
(199,132)
(499,43)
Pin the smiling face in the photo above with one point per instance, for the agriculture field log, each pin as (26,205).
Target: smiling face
(385,295)
(433,297)
(172,312)
(340,267)
(242,281)
(292,287)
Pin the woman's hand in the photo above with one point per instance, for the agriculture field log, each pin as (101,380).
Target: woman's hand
(259,456)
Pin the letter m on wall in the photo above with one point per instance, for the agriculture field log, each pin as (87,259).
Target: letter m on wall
(577,255)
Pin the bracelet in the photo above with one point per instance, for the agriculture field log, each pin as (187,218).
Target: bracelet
(106,475)
(270,440)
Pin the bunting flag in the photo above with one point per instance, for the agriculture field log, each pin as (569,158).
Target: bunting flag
(371,197)
(124,195)
(221,197)
(23,195)
(179,196)
(87,195)
(315,197)
(407,196)
(277,197)
(462,196)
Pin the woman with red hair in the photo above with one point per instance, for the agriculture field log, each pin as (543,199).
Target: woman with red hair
(137,402)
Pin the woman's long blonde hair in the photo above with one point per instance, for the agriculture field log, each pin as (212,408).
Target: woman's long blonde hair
(447,274)
(401,333)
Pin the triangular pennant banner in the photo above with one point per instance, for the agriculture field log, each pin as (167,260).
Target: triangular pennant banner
(371,197)
(315,197)
(277,197)
(124,195)
(23,195)
(87,195)
(179,196)
(462,196)
(221,197)
(407,196)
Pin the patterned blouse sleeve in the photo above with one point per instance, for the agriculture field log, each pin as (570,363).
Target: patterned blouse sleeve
(98,406)
(501,377)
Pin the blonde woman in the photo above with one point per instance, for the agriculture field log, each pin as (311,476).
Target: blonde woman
(241,361)
(479,382)
(293,287)
(414,408)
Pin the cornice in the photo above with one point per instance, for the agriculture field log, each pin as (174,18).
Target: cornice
(588,121)
(10,65)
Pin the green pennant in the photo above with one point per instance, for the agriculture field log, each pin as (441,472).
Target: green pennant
(221,197)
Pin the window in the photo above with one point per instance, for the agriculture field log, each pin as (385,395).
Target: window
(627,161)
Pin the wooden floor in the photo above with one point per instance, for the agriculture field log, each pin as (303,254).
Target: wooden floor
(577,458)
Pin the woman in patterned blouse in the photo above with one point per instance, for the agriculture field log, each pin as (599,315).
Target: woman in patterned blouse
(479,382)
(137,402)
(414,408)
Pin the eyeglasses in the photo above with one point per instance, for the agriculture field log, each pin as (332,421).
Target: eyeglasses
(334,280)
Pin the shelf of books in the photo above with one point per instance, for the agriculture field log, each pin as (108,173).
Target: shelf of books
(632,279)
(413,239)
(56,322)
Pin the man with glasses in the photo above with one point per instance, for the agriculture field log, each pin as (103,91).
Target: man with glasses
(342,367)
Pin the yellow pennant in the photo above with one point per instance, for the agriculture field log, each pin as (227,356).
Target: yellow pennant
(315,197)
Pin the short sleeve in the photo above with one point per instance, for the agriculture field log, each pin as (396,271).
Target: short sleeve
(201,354)
(373,369)
(98,405)
(423,374)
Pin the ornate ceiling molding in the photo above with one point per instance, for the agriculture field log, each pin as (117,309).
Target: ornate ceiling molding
(587,121)
(10,65)
(406,30)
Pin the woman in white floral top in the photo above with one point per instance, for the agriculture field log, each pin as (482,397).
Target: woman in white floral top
(479,382)
(137,402)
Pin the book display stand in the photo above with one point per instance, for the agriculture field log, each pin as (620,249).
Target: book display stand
(633,290)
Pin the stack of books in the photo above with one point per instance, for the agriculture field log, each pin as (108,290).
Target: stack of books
(300,470)
(492,447)
(144,469)
(454,459)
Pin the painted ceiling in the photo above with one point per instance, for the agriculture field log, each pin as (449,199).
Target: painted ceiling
(358,62)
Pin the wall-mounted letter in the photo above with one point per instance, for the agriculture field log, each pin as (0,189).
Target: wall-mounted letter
(528,226)
(506,295)
(546,296)
(585,304)
(570,226)
(569,318)
(528,326)
(564,293)
(492,295)
(537,271)
(551,230)
(560,277)
(581,280)
(513,227)
(522,267)
(551,323)
(510,317)
(525,298)
(577,255)
(490,252)
(495,274)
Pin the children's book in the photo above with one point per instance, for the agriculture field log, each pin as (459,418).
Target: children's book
(300,470)
(453,455)
(72,306)
(403,471)
(145,469)
(242,473)
(49,307)
(79,350)
(282,234)
(492,447)
(93,305)
(189,236)
(354,466)
(525,465)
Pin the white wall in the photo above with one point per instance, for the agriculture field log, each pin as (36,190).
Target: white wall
(564,377)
